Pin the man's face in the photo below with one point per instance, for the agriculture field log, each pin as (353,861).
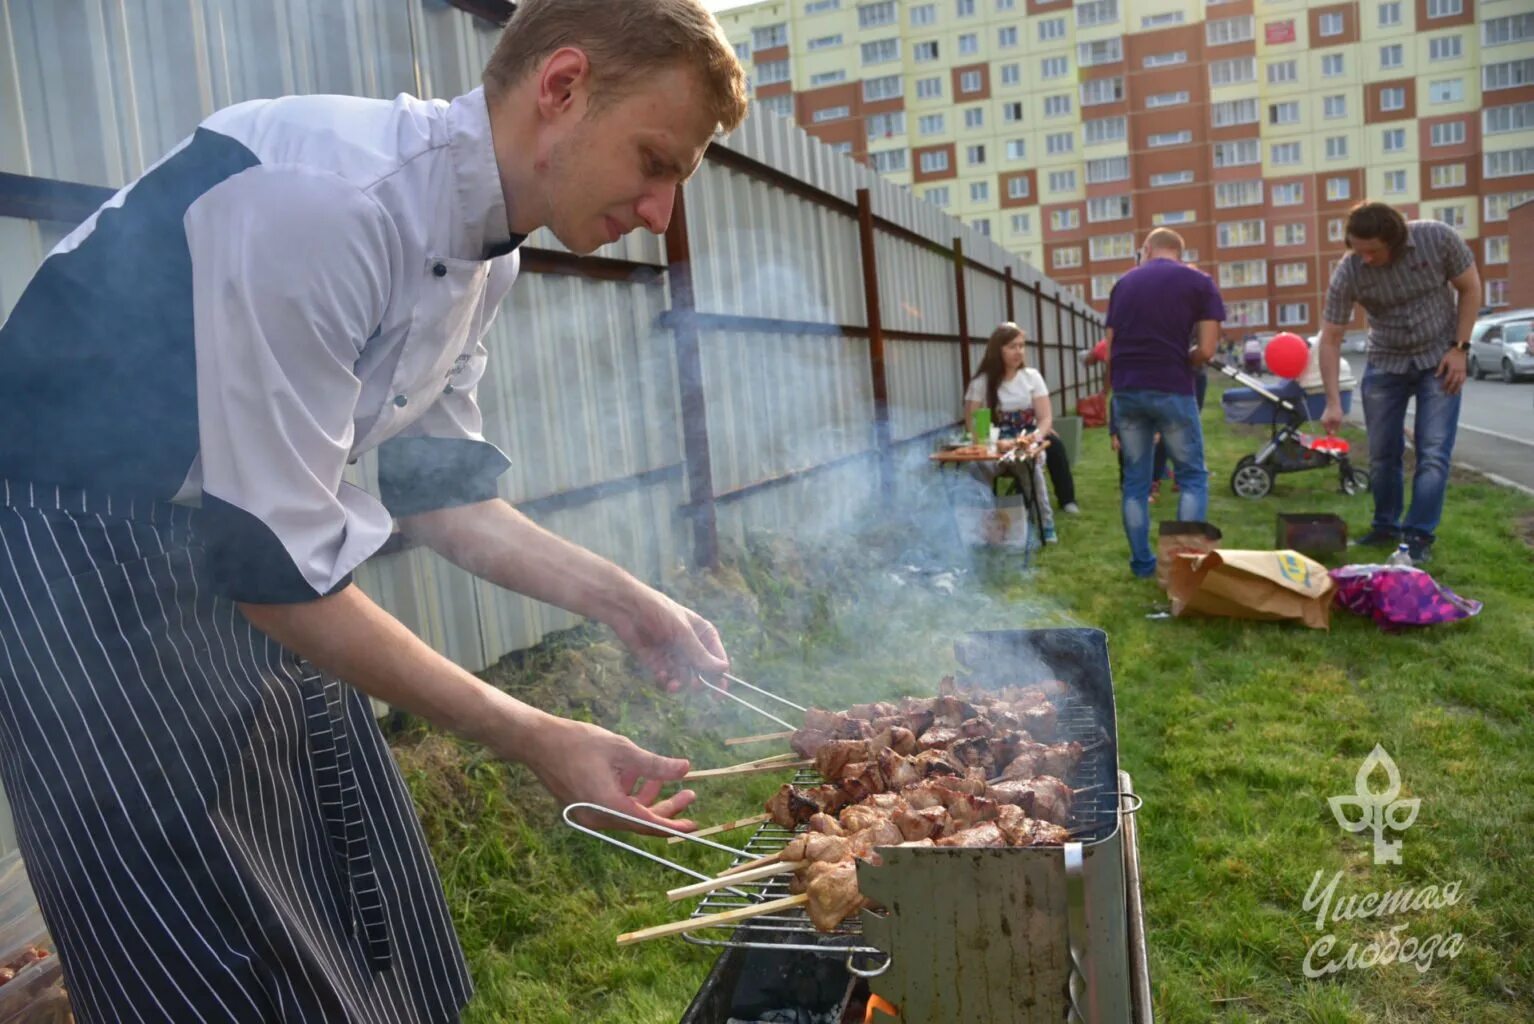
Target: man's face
(616,169)
(1372,251)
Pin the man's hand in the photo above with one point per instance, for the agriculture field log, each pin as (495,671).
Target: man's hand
(1452,369)
(582,763)
(674,643)
(1331,419)
(1113,439)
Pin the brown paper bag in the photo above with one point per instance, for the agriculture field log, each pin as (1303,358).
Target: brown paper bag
(1268,585)
(1179,537)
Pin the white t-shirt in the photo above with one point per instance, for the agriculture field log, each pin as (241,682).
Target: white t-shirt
(1013,395)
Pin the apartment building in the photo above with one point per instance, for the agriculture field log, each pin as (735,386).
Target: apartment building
(1065,131)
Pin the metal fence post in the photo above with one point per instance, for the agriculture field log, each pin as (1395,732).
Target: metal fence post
(875,337)
(689,370)
(963,301)
(1011,307)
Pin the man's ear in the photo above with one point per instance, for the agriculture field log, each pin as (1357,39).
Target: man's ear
(563,82)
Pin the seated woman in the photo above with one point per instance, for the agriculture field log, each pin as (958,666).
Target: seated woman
(1019,402)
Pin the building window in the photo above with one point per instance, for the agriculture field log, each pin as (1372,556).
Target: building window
(881,51)
(1336,147)
(1395,182)
(822,6)
(979,191)
(1331,24)
(930,124)
(1331,65)
(1393,98)
(1507,75)
(1237,193)
(982,225)
(828,78)
(1051,29)
(1243,273)
(1496,293)
(969,43)
(1017,188)
(1097,12)
(1108,208)
(934,161)
(1006,5)
(1056,143)
(1392,56)
(1113,168)
(1065,220)
(969,81)
(1055,67)
(1233,72)
(1234,154)
(1057,106)
(1011,74)
(1163,60)
(1289,234)
(1100,130)
(1284,113)
(1062,181)
(1449,90)
(825,42)
(1454,216)
(1394,139)
(1102,285)
(765,37)
(1104,51)
(830,114)
(876,14)
(888,161)
(1290,193)
(1102,90)
(1445,48)
(1164,18)
(1334,106)
(974,117)
(1497,206)
(1512,118)
(885,87)
(1448,133)
(1390,13)
(1496,249)
(1220,31)
(1075,291)
(1171,178)
(1022,224)
(1283,71)
(1287,275)
(1514,28)
(923,14)
(842,148)
(1006,37)
(1012,113)
(885,125)
(1241,232)
(1448,176)
(1066,256)
(1017,149)
(1293,314)
(974,156)
(1232,112)
(1338,189)
(782,106)
(1166,99)
(1172,217)
(1445,8)
(964,8)
(929,88)
(771,73)
(1251,313)
(924,52)
(743,51)
(937,196)
(1509,162)
(1159,139)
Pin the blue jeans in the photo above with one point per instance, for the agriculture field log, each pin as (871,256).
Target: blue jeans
(1139,415)
(1385,398)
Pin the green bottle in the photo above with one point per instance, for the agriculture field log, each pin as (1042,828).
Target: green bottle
(982,426)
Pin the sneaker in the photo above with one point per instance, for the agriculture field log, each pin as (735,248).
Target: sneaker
(1379,538)
(1050,537)
(1072,508)
(1420,549)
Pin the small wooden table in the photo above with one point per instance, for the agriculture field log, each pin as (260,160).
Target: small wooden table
(978,453)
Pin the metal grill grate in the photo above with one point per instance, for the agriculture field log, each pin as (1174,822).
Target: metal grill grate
(1094,817)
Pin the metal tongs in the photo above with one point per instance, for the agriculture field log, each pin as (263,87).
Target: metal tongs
(752,686)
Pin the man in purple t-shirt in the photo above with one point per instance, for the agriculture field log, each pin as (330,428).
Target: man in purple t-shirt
(1152,313)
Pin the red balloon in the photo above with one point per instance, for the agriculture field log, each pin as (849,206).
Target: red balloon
(1287,355)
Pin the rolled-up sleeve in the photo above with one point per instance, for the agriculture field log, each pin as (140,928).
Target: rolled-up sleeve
(291,273)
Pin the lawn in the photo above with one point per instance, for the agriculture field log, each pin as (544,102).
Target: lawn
(1236,734)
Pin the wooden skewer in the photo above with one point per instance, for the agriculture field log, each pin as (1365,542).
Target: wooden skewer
(736,741)
(751,865)
(755,819)
(751,768)
(774,759)
(765,871)
(714,920)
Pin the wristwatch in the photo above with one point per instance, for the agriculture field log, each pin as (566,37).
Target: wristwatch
(1462,346)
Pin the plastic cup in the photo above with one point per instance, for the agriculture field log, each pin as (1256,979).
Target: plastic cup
(982,426)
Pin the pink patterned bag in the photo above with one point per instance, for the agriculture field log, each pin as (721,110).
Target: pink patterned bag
(1399,596)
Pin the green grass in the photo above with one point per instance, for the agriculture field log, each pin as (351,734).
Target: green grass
(1235,732)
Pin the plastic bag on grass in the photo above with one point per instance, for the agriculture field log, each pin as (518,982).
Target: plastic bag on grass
(1397,596)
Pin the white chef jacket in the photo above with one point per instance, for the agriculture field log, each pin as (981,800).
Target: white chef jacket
(299,282)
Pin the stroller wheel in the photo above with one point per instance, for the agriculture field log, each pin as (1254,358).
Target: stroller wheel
(1251,480)
(1354,481)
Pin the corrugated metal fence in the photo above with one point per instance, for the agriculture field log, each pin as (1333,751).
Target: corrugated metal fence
(802,330)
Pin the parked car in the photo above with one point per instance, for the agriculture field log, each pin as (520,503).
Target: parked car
(1501,344)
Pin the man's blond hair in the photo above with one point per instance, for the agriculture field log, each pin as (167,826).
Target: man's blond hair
(1164,238)
(625,41)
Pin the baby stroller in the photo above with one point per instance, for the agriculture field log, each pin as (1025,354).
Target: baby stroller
(1286,407)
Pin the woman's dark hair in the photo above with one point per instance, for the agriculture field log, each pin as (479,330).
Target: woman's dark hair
(991,365)
(1378,222)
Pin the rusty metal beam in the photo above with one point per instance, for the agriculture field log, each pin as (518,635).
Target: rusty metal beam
(961,299)
(875,336)
(1011,305)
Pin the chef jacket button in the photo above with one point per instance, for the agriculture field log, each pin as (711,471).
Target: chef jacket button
(401,401)
(440,269)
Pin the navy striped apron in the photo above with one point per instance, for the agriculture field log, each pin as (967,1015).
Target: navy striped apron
(215,831)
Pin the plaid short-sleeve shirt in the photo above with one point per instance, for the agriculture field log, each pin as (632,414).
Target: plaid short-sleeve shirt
(1411,307)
